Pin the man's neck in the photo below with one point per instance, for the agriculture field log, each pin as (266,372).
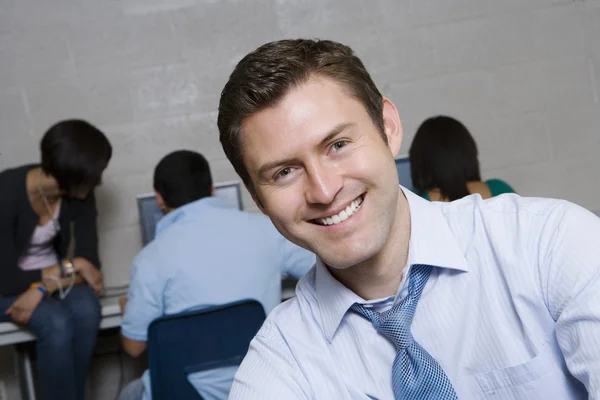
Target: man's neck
(39,184)
(381,275)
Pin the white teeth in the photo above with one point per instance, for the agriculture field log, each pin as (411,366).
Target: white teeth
(344,214)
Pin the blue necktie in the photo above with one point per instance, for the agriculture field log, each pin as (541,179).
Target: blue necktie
(415,374)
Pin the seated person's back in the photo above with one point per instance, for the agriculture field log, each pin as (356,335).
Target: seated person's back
(204,254)
(444,163)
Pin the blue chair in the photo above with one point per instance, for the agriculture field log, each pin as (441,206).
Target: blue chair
(199,340)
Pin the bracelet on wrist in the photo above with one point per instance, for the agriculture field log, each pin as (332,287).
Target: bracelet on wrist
(40,287)
(67,268)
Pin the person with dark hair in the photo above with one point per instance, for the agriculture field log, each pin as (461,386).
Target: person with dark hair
(204,254)
(43,286)
(444,164)
(181,178)
(409,299)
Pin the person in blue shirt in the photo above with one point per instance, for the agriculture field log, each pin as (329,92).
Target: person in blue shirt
(444,163)
(409,299)
(204,254)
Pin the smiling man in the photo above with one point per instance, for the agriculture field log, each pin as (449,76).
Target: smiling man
(409,299)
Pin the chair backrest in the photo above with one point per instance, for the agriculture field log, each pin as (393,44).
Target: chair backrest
(196,340)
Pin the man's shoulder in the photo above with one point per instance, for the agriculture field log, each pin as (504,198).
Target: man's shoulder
(149,258)
(507,207)
(510,218)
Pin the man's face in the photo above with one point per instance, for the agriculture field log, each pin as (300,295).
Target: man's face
(323,173)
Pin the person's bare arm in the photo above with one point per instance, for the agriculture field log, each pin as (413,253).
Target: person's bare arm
(133,347)
(89,273)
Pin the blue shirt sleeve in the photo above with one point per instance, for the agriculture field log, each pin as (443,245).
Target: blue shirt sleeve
(569,270)
(295,260)
(145,300)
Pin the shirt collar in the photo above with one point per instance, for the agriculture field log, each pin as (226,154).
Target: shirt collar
(188,209)
(431,243)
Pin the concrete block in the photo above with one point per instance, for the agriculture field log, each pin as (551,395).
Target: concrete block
(493,7)
(436,11)
(321,19)
(483,42)
(123,41)
(574,131)
(223,171)
(542,85)
(14,113)
(141,7)
(513,140)
(458,95)
(594,15)
(562,30)
(26,14)
(169,89)
(34,55)
(118,247)
(139,147)
(52,102)
(116,200)
(205,136)
(108,96)
(409,54)
(241,25)
(574,179)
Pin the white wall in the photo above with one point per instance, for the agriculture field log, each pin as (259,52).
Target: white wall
(523,75)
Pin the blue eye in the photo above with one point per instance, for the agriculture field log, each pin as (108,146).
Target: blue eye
(283,174)
(285,171)
(339,145)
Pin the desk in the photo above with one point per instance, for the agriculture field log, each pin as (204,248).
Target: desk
(14,334)
(111,318)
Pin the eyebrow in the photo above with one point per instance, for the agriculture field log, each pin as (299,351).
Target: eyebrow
(328,137)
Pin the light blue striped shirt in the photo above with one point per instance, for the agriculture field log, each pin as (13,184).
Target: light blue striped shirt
(206,254)
(512,311)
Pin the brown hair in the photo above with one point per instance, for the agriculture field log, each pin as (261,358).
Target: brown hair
(266,75)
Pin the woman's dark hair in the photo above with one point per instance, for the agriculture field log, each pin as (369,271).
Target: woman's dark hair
(75,153)
(443,155)
(181,177)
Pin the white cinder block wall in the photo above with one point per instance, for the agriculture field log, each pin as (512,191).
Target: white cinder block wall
(523,75)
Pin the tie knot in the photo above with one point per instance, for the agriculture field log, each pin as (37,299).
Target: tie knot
(393,324)
(396,322)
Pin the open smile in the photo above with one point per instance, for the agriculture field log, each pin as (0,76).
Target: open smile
(341,216)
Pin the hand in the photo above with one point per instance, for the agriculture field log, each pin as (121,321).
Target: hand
(49,274)
(20,311)
(92,276)
(122,304)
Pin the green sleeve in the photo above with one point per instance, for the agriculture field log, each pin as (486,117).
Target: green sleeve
(424,195)
(498,187)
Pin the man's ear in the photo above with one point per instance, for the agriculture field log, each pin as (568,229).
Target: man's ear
(392,126)
(161,202)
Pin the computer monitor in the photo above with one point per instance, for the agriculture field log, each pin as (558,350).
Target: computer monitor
(403,167)
(150,214)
